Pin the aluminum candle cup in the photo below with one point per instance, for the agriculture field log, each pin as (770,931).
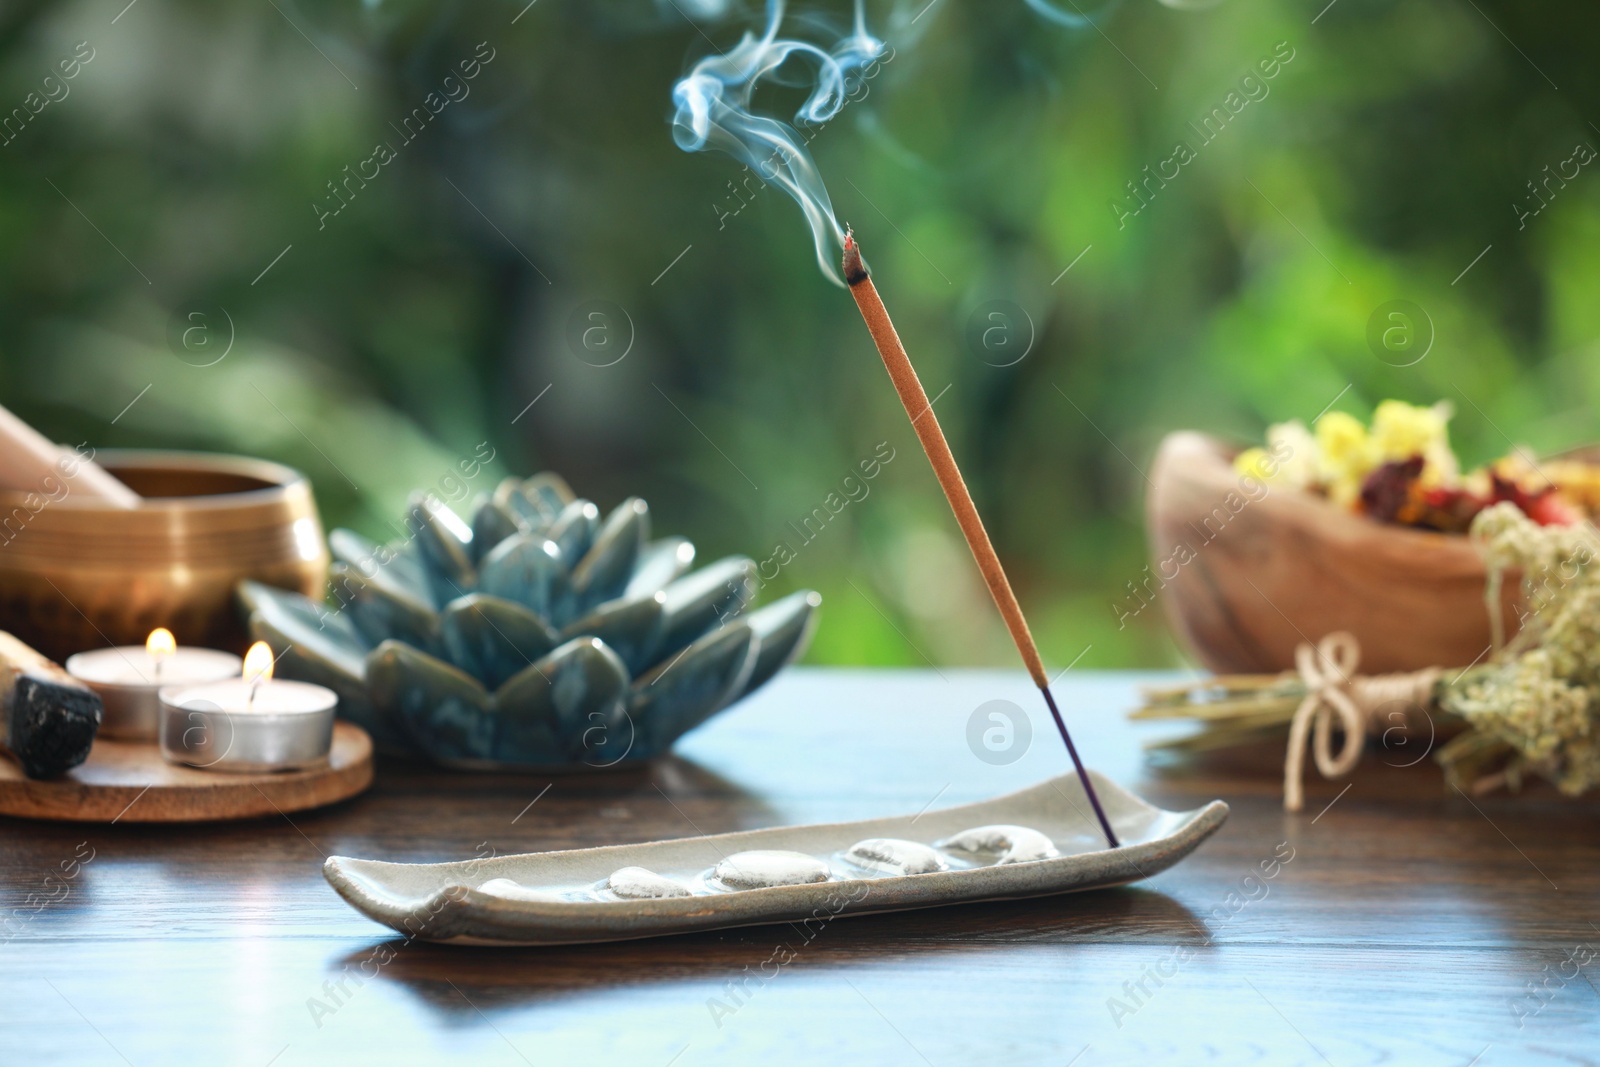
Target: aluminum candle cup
(130,679)
(245,726)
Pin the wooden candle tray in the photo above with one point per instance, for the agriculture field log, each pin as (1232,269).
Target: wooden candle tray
(129,781)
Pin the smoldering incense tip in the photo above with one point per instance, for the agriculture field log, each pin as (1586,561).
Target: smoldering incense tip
(855,271)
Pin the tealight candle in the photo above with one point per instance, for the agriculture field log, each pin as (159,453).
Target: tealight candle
(249,723)
(130,679)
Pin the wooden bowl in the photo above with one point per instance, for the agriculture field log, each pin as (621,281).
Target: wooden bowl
(1245,576)
(75,574)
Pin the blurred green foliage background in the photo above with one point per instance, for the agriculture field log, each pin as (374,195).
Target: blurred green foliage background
(391,338)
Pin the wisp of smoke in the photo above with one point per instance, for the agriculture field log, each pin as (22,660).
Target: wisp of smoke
(713,110)
(1078,19)
(1073,20)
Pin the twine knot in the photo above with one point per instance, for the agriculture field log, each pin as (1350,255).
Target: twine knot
(1335,692)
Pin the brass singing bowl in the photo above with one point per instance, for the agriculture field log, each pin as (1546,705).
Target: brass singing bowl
(76,574)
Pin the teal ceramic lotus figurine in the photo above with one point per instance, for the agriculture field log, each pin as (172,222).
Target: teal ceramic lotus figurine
(537,637)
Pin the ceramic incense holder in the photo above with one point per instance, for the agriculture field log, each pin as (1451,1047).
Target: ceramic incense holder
(1035,842)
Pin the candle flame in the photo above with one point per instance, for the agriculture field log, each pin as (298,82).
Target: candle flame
(160,644)
(258,663)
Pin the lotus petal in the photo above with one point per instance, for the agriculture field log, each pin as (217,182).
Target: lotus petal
(631,628)
(409,569)
(491,524)
(685,691)
(549,490)
(784,628)
(526,569)
(699,601)
(605,569)
(445,542)
(313,643)
(333,633)
(444,711)
(395,567)
(535,513)
(347,546)
(380,613)
(659,563)
(574,530)
(312,614)
(492,639)
(579,692)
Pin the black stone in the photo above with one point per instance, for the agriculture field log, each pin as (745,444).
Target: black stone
(50,725)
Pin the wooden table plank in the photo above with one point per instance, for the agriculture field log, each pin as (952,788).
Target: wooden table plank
(1404,929)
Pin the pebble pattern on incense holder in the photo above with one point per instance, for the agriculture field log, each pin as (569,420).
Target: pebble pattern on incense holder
(766,868)
(887,855)
(1008,844)
(875,857)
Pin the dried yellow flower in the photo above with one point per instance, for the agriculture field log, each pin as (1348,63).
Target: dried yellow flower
(1345,456)
(1289,461)
(1401,431)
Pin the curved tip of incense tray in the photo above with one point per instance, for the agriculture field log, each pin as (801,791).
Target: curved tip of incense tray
(855,271)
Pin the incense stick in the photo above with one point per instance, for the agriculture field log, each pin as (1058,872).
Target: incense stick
(918,409)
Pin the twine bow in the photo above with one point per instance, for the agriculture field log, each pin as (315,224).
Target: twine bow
(1335,691)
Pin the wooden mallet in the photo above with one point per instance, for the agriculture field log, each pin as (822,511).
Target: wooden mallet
(920,411)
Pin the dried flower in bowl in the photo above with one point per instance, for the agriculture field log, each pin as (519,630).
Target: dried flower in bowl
(1402,470)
